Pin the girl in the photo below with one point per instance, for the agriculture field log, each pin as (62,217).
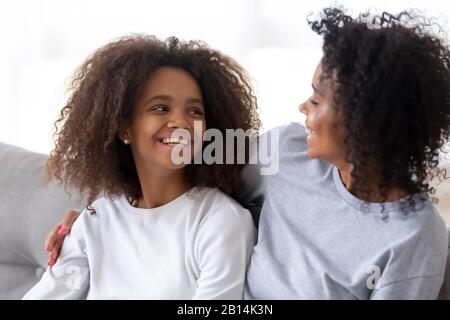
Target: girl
(160,230)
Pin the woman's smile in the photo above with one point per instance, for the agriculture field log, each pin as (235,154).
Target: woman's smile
(311,133)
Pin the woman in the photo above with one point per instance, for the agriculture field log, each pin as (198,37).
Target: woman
(348,214)
(349,217)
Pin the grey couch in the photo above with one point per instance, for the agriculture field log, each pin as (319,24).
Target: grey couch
(28,211)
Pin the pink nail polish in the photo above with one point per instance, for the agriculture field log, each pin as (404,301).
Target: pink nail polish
(62,231)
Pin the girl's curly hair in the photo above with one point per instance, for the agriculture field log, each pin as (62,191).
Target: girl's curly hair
(89,155)
(392,89)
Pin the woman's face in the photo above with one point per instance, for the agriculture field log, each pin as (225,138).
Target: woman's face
(325,133)
(171,100)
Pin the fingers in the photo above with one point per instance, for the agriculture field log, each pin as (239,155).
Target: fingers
(55,239)
(51,262)
(51,238)
(51,246)
(68,221)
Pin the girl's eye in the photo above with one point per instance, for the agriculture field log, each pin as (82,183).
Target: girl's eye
(159,108)
(313,102)
(196,112)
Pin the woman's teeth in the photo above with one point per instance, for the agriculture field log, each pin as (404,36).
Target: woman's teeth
(310,133)
(171,141)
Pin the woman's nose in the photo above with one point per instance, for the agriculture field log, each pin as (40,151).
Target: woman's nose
(302,108)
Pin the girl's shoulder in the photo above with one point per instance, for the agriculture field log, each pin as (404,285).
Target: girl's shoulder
(215,198)
(102,204)
(98,210)
(224,218)
(216,205)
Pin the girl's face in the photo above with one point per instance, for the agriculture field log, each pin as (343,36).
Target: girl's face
(325,133)
(171,100)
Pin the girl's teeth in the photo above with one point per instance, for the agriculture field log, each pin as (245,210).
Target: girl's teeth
(174,141)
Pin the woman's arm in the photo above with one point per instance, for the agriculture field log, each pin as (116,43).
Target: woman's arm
(416,267)
(420,288)
(55,239)
(69,277)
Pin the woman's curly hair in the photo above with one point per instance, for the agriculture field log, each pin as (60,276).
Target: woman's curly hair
(392,88)
(89,155)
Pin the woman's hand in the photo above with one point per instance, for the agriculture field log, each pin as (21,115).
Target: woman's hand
(55,239)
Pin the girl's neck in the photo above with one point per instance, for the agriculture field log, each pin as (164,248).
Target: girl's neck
(160,187)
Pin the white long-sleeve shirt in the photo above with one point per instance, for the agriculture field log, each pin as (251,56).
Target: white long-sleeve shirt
(195,247)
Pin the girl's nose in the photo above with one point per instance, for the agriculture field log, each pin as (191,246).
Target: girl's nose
(178,120)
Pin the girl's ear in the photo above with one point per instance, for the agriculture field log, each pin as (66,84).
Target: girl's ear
(124,134)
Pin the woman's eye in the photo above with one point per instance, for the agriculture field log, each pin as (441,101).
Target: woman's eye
(313,102)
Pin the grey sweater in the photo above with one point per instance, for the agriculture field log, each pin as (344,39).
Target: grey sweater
(318,241)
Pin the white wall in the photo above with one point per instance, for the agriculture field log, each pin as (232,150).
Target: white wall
(43,41)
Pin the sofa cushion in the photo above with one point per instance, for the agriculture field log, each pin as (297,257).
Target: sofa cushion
(28,212)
